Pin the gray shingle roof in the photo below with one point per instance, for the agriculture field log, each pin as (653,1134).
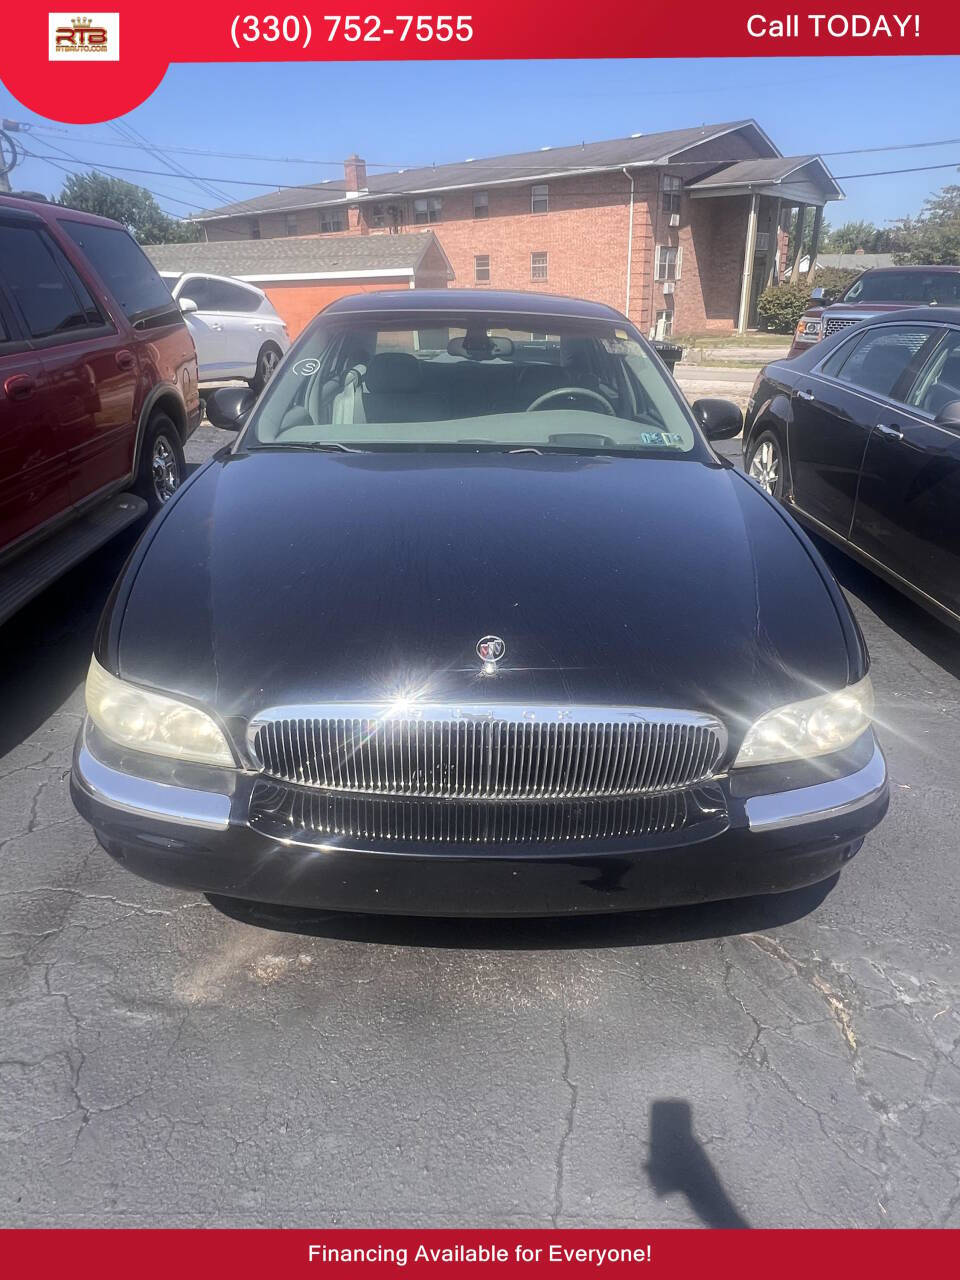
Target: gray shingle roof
(294,255)
(648,148)
(746,173)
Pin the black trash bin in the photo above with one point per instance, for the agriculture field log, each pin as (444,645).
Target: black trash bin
(668,352)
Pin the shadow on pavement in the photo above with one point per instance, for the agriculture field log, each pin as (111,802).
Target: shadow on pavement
(47,645)
(919,628)
(679,1163)
(630,929)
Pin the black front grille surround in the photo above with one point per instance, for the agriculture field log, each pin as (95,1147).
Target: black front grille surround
(498,752)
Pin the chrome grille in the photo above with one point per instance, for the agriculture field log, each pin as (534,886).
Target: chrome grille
(833,324)
(289,813)
(495,753)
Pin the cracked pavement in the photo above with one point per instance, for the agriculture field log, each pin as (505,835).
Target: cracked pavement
(165,1061)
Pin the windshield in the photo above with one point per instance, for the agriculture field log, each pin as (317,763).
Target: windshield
(926,287)
(472,381)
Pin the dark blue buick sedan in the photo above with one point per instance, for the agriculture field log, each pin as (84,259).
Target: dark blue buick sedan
(472,619)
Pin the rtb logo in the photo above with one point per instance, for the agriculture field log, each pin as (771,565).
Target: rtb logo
(92,37)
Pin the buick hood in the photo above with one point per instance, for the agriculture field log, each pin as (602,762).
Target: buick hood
(278,577)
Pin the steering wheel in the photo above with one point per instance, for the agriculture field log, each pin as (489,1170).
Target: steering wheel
(582,392)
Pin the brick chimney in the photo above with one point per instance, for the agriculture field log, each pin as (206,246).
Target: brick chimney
(355,174)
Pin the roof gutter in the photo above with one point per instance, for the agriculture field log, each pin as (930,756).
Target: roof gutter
(391,273)
(629,176)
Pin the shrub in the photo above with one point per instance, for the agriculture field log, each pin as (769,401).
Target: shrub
(780,308)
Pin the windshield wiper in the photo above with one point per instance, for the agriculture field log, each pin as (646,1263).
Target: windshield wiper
(324,446)
(527,448)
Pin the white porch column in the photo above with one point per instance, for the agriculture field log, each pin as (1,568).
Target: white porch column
(798,247)
(773,253)
(749,252)
(815,242)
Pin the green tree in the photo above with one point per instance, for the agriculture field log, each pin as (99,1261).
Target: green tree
(135,207)
(851,236)
(933,236)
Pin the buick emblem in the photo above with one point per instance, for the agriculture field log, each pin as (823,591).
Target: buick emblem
(490,650)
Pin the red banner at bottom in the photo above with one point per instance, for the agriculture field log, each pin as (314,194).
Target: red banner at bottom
(334,1252)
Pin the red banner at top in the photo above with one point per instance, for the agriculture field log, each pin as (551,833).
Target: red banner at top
(77,66)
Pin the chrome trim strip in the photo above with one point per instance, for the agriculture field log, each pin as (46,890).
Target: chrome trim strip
(822,801)
(857,552)
(130,794)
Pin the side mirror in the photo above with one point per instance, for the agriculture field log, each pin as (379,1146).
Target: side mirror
(949,416)
(818,295)
(227,407)
(720,419)
(188,306)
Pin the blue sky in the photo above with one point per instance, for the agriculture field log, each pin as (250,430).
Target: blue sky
(405,114)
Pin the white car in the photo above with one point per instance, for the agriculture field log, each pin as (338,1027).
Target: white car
(234,326)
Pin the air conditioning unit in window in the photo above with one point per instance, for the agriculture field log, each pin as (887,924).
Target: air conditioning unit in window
(668,286)
(674,219)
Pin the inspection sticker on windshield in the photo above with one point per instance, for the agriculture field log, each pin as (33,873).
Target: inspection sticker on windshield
(307,367)
(661,439)
(621,344)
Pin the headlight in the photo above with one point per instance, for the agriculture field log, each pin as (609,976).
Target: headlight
(809,330)
(153,722)
(814,727)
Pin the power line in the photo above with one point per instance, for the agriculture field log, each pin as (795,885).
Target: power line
(240,155)
(884,173)
(73,166)
(388,194)
(125,130)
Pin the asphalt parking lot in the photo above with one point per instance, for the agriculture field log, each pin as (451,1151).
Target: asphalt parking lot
(776,1062)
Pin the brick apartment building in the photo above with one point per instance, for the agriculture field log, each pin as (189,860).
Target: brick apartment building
(681,230)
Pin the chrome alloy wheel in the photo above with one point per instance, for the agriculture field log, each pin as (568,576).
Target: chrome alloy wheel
(165,469)
(765,466)
(268,365)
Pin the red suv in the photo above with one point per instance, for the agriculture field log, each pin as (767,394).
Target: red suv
(98,390)
(876,291)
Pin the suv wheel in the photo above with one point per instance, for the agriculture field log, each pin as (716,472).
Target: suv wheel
(161,463)
(267,361)
(766,464)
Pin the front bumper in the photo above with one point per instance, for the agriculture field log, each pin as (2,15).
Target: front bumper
(189,826)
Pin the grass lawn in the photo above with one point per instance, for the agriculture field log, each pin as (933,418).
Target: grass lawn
(752,339)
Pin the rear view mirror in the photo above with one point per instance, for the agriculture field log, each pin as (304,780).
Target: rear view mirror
(227,407)
(188,306)
(720,419)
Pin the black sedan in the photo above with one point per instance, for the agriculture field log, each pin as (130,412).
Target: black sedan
(471,619)
(860,438)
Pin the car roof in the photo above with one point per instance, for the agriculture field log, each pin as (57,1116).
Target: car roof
(50,212)
(909,266)
(479,300)
(931,315)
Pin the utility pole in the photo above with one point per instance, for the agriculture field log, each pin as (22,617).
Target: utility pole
(9,154)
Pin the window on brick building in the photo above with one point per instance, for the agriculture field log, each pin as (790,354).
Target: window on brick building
(670,193)
(332,220)
(668,261)
(427,210)
(663,324)
(538,266)
(540,199)
(481,204)
(481,268)
(254,228)
(290,224)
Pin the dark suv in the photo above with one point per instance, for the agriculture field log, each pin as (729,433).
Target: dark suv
(876,291)
(98,390)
